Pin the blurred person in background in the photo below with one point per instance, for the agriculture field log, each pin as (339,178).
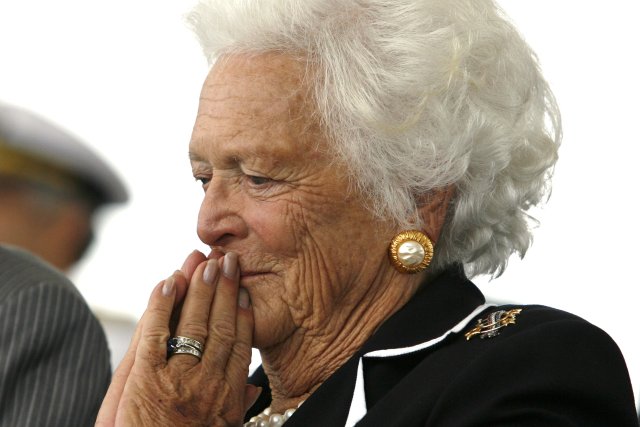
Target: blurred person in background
(51,186)
(54,357)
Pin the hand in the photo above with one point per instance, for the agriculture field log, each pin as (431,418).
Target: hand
(148,389)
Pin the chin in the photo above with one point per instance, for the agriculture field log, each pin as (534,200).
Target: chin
(271,325)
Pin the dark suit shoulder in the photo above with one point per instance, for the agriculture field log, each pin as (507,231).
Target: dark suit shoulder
(20,270)
(54,358)
(534,329)
(539,367)
(535,365)
(507,320)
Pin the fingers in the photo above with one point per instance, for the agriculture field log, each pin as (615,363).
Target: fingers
(183,277)
(194,259)
(108,409)
(194,316)
(222,322)
(237,368)
(218,314)
(181,284)
(251,395)
(230,324)
(214,312)
(154,333)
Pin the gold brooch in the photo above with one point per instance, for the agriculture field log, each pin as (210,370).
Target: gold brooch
(490,326)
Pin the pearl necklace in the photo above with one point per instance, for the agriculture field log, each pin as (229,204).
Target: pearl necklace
(267,418)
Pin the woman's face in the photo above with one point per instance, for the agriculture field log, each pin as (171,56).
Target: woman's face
(310,253)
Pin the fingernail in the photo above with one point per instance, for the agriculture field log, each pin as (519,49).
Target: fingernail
(230,265)
(243,298)
(169,286)
(210,272)
(184,264)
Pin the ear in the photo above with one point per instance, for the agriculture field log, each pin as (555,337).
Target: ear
(433,208)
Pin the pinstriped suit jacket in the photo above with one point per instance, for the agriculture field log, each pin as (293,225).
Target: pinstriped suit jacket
(54,359)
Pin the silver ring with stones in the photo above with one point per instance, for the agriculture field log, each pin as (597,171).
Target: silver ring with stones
(180,341)
(186,350)
(184,345)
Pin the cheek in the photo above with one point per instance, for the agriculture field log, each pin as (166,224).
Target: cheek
(281,230)
(272,239)
(274,228)
(320,251)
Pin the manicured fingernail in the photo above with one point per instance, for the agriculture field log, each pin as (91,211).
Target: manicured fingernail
(169,286)
(210,272)
(184,265)
(230,265)
(243,298)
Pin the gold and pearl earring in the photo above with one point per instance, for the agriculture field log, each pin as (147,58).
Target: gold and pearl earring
(411,251)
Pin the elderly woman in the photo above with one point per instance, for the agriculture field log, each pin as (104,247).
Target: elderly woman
(360,159)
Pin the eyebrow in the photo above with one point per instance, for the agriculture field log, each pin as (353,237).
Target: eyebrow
(194,157)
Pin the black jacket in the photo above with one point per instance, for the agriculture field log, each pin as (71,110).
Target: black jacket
(549,368)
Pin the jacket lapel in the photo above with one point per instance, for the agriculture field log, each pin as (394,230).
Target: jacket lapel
(438,308)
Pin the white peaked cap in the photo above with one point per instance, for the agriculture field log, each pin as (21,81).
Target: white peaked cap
(31,134)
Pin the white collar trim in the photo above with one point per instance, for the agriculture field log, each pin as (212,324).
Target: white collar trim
(358,407)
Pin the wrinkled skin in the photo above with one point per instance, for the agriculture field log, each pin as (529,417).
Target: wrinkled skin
(312,260)
(148,389)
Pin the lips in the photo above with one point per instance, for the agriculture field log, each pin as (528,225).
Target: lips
(216,253)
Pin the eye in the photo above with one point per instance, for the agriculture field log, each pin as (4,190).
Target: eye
(258,180)
(203,180)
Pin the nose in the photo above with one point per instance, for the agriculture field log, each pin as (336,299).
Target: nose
(220,220)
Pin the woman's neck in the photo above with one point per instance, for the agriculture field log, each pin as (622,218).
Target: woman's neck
(299,365)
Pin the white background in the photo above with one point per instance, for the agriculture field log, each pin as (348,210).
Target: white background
(124,75)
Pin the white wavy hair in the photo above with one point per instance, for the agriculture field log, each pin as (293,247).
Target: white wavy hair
(417,95)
